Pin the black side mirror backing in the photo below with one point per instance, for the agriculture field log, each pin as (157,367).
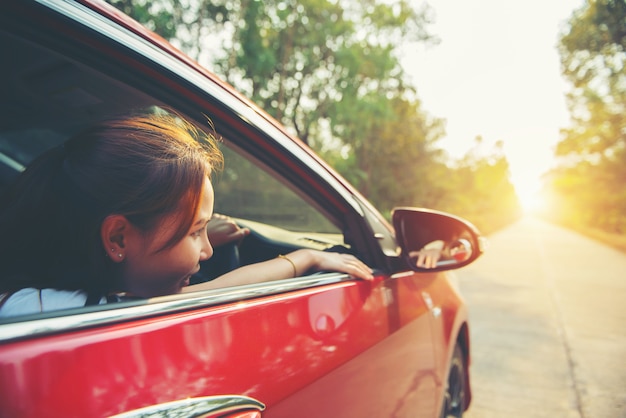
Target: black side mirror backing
(435,241)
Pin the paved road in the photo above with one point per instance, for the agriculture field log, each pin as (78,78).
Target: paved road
(548,325)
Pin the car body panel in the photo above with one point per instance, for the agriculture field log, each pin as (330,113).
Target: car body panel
(330,335)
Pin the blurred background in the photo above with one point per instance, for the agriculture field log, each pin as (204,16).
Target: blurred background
(486,109)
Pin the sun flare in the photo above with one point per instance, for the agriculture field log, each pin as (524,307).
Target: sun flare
(530,199)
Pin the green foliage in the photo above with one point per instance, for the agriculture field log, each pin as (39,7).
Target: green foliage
(329,71)
(488,198)
(151,16)
(306,62)
(396,158)
(588,186)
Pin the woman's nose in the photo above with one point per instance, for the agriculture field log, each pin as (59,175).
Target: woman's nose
(207,249)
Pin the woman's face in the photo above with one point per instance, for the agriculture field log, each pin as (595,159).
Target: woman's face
(148,272)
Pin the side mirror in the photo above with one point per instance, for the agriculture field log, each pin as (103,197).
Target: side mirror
(436,241)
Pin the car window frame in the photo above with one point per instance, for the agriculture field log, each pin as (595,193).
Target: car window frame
(284,155)
(59,321)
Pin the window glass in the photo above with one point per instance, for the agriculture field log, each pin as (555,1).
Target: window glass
(244,190)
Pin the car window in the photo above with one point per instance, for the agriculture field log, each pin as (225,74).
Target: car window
(245,190)
(281,217)
(23,146)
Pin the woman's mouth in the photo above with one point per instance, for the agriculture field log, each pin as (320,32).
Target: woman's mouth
(187,279)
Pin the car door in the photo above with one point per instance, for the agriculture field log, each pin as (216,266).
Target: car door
(393,373)
(306,352)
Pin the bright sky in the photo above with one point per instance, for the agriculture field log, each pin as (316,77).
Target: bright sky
(496,73)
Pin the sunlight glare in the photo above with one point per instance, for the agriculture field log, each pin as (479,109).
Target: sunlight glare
(530,198)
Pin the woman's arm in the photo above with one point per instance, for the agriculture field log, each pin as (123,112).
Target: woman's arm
(294,264)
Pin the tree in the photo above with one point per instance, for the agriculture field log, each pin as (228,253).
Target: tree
(318,64)
(185,23)
(397,161)
(480,188)
(299,60)
(329,71)
(590,180)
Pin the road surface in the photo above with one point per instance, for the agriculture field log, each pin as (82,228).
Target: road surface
(548,325)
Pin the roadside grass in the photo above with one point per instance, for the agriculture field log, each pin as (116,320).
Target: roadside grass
(614,240)
(617,241)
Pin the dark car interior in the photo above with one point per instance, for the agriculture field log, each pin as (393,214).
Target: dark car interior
(46,98)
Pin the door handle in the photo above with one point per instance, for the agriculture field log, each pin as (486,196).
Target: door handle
(203,407)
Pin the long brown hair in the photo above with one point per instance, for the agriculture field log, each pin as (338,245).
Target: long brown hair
(143,166)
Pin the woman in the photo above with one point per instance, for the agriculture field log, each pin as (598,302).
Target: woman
(123,209)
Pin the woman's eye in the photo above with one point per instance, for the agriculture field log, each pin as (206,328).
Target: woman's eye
(200,231)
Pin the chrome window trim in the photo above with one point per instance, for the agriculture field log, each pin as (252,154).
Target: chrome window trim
(196,407)
(109,29)
(76,319)
(9,162)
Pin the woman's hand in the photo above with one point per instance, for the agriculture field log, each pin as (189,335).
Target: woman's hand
(426,258)
(344,263)
(293,264)
(223,230)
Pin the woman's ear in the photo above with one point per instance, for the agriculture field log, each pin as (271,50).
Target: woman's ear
(113,232)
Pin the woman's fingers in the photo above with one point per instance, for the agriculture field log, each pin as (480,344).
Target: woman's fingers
(426,258)
(222,230)
(355,267)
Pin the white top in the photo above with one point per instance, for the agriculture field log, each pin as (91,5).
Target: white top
(30,301)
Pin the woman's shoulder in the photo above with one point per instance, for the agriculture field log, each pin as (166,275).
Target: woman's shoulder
(30,301)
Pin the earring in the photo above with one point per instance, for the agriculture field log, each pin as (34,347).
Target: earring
(120,255)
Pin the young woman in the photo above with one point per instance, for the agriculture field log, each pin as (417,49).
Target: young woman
(123,209)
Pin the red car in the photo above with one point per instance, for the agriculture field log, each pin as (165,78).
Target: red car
(321,345)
